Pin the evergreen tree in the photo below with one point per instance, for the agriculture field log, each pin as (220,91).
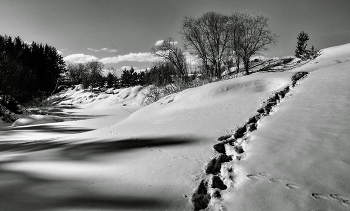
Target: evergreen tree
(301,44)
(128,77)
(28,68)
(110,79)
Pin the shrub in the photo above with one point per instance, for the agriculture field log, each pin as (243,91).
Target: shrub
(10,109)
(287,60)
(153,94)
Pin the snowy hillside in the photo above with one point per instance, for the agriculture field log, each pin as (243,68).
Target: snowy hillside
(249,143)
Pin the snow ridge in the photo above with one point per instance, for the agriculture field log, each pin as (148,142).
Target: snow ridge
(219,172)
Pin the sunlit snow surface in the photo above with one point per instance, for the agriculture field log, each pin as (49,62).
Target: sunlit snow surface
(299,156)
(153,158)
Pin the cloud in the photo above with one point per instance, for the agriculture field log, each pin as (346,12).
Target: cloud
(79,58)
(91,49)
(61,51)
(109,50)
(159,42)
(131,57)
(103,49)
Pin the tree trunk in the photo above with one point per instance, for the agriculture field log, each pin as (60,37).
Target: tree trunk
(246,67)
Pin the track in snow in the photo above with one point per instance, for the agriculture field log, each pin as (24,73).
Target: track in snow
(219,172)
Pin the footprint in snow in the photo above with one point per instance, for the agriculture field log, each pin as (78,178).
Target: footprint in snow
(253,176)
(346,202)
(264,174)
(317,196)
(291,186)
(274,180)
(258,175)
(338,197)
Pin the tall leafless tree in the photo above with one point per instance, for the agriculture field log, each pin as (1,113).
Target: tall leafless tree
(253,36)
(94,69)
(208,38)
(216,39)
(170,52)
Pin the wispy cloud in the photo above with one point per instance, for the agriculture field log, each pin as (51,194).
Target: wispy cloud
(131,57)
(103,49)
(91,49)
(109,50)
(79,58)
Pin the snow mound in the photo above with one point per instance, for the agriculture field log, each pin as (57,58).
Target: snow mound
(36,119)
(128,95)
(226,89)
(336,51)
(328,57)
(77,96)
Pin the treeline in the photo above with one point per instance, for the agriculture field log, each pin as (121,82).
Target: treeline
(28,69)
(160,74)
(91,75)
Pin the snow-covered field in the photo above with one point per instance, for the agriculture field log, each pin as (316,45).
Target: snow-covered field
(122,156)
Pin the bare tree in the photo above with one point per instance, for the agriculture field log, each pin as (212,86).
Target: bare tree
(171,53)
(76,72)
(253,37)
(208,37)
(235,27)
(95,69)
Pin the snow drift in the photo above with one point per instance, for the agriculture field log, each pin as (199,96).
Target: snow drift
(36,119)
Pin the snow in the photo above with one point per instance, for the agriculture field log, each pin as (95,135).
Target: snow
(123,156)
(304,143)
(35,119)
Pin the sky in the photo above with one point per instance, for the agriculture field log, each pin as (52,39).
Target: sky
(121,33)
